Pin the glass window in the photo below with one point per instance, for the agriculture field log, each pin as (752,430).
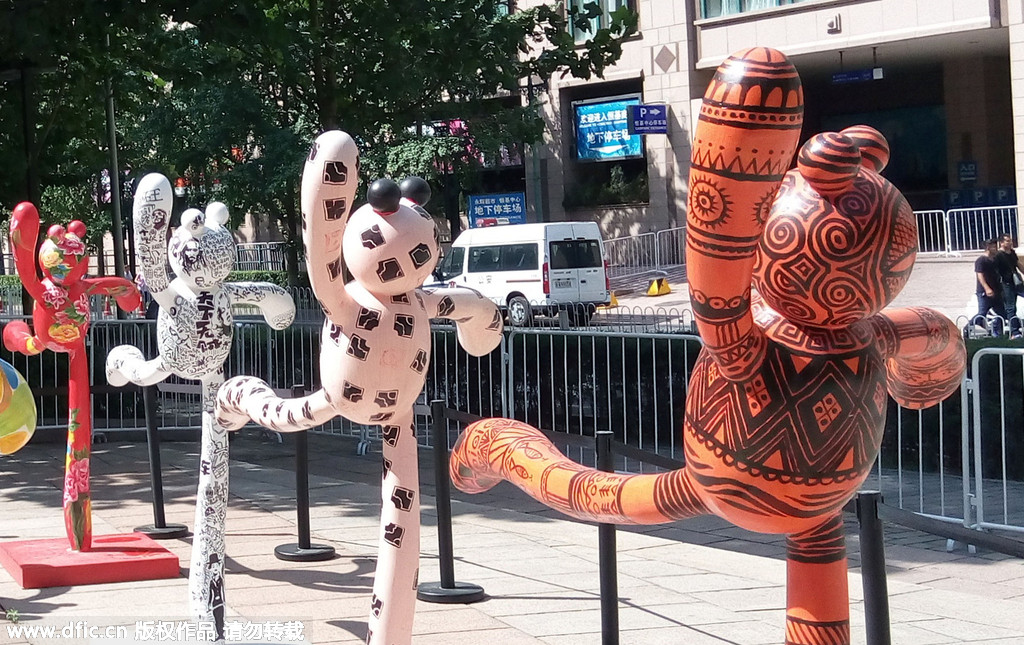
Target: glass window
(606,7)
(719,8)
(506,257)
(451,265)
(519,257)
(575,254)
(483,259)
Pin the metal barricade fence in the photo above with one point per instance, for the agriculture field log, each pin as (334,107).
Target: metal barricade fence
(970,227)
(633,255)
(959,461)
(919,466)
(996,381)
(932,233)
(260,256)
(671,245)
(579,382)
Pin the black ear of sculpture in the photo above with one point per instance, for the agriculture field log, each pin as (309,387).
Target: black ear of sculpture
(416,189)
(384,196)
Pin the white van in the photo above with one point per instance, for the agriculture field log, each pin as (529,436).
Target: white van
(530,269)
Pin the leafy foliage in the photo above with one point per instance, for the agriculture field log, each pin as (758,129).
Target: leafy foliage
(231,94)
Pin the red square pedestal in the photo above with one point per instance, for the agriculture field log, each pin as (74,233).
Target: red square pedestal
(36,564)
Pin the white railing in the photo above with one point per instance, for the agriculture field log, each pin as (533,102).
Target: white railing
(671,247)
(932,232)
(970,227)
(956,460)
(633,255)
(993,433)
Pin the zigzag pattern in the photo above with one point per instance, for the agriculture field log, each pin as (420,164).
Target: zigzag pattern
(737,167)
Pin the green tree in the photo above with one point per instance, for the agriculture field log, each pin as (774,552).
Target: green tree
(231,94)
(386,71)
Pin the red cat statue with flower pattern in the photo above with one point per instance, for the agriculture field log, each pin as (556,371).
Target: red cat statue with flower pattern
(60,318)
(786,405)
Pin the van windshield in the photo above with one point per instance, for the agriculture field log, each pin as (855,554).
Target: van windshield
(451,265)
(576,254)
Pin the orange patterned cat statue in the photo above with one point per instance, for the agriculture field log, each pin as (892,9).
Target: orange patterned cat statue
(786,404)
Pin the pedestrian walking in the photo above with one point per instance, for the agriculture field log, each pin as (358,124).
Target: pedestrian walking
(989,289)
(1009,265)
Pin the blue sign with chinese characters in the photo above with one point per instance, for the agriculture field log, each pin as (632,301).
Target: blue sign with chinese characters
(602,131)
(497,209)
(648,119)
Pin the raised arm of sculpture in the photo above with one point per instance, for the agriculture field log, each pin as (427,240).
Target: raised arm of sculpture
(328,190)
(275,304)
(748,130)
(478,324)
(151,215)
(24,237)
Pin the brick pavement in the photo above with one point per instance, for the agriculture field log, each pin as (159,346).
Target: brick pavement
(696,582)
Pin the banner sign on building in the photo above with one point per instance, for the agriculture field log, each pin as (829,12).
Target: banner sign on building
(497,209)
(648,119)
(602,130)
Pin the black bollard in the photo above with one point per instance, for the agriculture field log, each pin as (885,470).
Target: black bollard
(606,547)
(447,591)
(303,550)
(872,569)
(159,529)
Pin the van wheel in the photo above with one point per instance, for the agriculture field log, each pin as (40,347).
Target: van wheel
(519,313)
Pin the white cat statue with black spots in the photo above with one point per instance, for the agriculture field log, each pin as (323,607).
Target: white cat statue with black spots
(194,332)
(375,348)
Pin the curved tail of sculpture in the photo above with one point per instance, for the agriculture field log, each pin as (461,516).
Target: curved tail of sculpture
(19,338)
(244,398)
(925,355)
(748,130)
(503,449)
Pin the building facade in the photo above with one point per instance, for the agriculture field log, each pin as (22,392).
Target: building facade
(942,79)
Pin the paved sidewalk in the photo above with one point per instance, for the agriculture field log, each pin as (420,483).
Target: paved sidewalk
(698,582)
(945,284)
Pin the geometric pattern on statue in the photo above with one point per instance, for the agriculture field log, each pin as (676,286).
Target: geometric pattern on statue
(194,330)
(788,275)
(375,347)
(60,319)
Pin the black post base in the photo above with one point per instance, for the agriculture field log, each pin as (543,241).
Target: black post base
(167,532)
(462,594)
(292,552)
